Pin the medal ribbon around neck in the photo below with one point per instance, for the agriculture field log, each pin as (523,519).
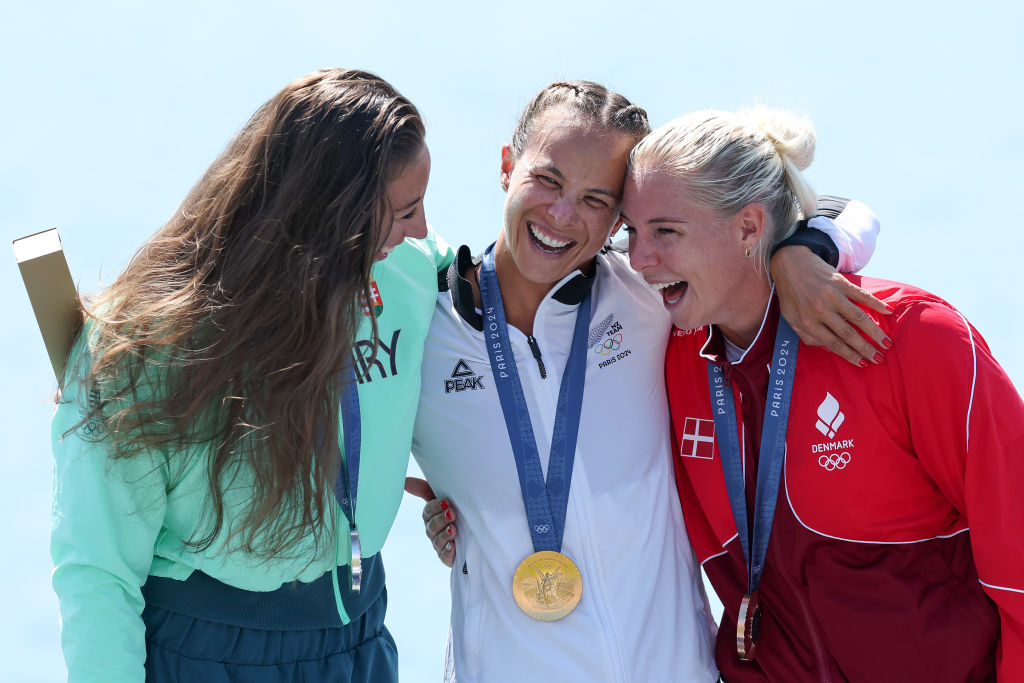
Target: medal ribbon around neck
(346,486)
(545,502)
(772,454)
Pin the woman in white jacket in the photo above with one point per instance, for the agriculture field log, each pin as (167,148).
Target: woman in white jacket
(626,600)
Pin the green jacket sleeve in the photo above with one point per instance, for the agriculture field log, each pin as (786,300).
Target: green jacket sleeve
(105,520)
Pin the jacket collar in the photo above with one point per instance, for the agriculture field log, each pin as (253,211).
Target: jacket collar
(760,350)
(570,290)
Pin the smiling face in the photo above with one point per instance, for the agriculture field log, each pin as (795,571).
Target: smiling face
(405,195)
(695,256)
(562,197)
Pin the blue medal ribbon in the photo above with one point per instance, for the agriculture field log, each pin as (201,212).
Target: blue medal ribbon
(545,502)
(772,454)
(346,485)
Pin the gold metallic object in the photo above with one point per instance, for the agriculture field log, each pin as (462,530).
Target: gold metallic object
(547,585)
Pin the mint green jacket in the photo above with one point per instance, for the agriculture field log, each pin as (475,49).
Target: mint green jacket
(114,523)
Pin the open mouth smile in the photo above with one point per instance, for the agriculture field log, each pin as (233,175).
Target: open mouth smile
(671,292)
(545,242)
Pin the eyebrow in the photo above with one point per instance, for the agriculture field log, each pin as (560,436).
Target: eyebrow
(655,220)
(551,170)
(410,204)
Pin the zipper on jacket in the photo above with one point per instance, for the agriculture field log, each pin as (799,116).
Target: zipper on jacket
(536,354)
(819,652)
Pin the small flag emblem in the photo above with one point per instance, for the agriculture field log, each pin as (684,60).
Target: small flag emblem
(698,439)
(376,302)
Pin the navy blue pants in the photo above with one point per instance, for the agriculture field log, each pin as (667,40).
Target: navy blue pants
(203,630)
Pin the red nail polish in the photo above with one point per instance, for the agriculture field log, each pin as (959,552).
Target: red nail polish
(450,532)
(863,363)
(448,514)
(444,504)
(887,343)
(878,357)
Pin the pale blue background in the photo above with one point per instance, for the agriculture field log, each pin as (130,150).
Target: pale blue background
(112,110)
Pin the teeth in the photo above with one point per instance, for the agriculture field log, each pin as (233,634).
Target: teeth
(545,240)
(658,286)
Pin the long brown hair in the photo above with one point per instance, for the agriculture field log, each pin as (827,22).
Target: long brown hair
(228,330)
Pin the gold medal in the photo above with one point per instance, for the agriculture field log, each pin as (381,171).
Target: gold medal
(547,585)
(748,627)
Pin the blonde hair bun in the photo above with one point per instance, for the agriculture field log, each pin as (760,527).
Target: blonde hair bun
(728,160)
(793,136)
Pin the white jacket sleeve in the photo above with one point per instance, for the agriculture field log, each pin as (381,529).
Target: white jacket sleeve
(854,232)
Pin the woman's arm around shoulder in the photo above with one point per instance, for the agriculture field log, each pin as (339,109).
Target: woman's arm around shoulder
(815,298)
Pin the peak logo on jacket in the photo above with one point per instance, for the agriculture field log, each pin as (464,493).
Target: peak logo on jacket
(463,378)
(834,455)
(605,340)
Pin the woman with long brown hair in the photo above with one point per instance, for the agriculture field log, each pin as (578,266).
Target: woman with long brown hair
(202,514)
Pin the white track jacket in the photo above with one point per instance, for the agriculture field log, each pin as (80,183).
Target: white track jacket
(642,615)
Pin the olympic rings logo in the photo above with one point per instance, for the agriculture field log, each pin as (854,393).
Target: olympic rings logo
(610,345)
(541,528)
(834,461)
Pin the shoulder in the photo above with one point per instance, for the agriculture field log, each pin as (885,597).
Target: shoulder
(914,310)
(896,293)
(432,249)
(613,265)
(928,332)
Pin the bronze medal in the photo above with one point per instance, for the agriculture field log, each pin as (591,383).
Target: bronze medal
(547,585)
(748,627)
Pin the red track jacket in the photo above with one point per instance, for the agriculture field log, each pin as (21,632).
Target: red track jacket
(897,550)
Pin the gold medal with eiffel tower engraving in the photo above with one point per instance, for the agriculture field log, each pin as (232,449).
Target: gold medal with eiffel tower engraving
(547,585)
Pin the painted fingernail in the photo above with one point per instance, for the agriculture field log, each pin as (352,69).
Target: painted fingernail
(448,513)
(449,530)
(863,363)
(447,546)
(878,357)
(444,504)
(887,343)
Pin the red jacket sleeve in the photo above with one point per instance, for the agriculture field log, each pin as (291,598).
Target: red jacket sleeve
(966,422)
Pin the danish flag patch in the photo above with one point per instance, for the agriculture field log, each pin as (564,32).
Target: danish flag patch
(698,439)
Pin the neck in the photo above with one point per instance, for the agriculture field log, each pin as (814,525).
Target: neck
(520,297)
(742,327)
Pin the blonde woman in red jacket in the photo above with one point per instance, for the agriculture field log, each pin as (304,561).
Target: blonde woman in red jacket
(858,523)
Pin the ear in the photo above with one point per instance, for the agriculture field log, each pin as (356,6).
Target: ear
(615,228)
(752,222)
(507,164)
